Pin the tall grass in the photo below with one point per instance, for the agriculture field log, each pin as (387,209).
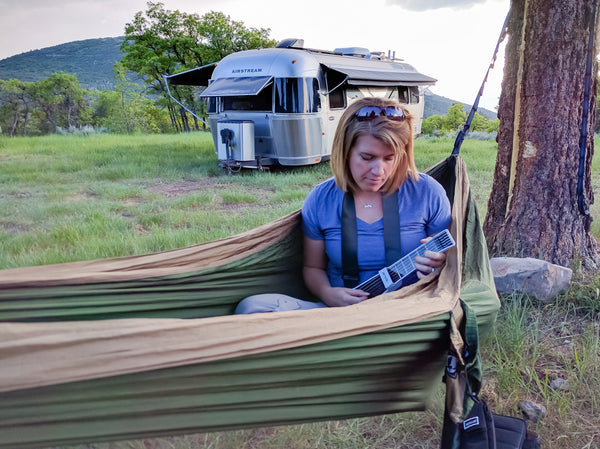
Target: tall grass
(77,198)
(67,198)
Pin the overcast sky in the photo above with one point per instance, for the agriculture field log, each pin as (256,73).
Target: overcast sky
(452,41)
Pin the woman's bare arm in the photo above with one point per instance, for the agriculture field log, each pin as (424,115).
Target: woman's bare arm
(317,281)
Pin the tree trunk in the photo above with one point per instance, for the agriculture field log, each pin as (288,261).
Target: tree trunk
(173,115)
(532,210)
(184,120)
(15,125)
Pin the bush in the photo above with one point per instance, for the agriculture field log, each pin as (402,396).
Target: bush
(85,130)
(482,135)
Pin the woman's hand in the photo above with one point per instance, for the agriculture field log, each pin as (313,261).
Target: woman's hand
(318,283)
(341,296)
(315,277)
(429,261)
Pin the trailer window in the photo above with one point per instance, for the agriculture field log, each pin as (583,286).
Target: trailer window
(211,105)
(261,102)
(297,95)
(414,94)
(390,93)
(337,98)
(403,95)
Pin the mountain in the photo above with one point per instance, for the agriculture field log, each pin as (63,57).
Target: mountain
(436,103)
(92,61)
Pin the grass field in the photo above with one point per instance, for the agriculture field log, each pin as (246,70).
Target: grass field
(103,196)
(79,198)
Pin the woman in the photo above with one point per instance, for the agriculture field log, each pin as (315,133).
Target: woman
(372,157)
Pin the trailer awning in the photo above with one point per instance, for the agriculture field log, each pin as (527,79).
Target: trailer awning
(194,77)
(361,76)
(236,87)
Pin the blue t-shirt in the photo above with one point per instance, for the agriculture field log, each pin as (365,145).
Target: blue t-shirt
(424,210)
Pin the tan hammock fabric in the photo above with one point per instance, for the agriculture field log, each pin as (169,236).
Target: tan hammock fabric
(37,354)
(197,257)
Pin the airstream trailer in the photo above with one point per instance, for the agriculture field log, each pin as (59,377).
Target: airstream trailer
(281,105)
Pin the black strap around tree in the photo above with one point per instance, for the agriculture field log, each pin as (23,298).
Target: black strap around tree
(391,236)
(581,204)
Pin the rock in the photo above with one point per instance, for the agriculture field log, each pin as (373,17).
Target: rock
(532,411)
(535,277)
(560,384)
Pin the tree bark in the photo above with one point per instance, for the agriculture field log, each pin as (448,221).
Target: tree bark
(532,210)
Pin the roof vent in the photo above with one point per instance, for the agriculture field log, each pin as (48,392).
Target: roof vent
(353,51)
(291,43)
(376,55)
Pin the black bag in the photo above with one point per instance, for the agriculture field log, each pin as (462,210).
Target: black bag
(510,431)
(483,429)
(477,430)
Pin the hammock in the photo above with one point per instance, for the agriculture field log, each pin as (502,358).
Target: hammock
(146,346)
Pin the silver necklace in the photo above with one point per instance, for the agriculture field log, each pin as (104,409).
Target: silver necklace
(365,205)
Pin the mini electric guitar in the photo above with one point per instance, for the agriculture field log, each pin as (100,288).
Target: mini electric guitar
(390,278)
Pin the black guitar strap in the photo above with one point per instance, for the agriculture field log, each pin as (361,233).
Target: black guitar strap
(349,242)
(391,229)
(391,236)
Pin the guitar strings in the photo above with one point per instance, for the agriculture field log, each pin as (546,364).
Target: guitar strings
(440,244)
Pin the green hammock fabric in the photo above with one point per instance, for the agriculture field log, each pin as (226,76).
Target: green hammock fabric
(180,295)
(356,376)
(99,351)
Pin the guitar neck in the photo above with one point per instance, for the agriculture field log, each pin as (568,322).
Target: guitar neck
(390,278)
(406,265)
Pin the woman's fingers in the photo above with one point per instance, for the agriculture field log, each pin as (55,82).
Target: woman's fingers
(429,262)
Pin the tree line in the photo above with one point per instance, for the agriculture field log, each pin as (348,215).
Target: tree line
(59,104)
(454,119)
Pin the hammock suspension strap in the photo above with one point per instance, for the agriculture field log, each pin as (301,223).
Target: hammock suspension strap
(583,207)
(463,131)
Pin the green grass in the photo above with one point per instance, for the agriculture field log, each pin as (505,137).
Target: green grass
(87,197)
(79,198)
(533,345)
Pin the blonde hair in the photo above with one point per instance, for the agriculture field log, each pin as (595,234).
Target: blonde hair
(398,135)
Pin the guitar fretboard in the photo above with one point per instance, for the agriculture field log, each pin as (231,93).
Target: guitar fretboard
(405,266)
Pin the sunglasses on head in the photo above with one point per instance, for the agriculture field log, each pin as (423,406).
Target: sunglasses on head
(366,113)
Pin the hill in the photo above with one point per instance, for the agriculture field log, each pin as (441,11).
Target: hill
(92,61)
(436,104)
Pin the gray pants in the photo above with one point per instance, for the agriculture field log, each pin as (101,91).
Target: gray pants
(274,302)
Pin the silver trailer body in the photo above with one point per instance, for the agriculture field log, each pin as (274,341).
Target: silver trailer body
(281,105)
